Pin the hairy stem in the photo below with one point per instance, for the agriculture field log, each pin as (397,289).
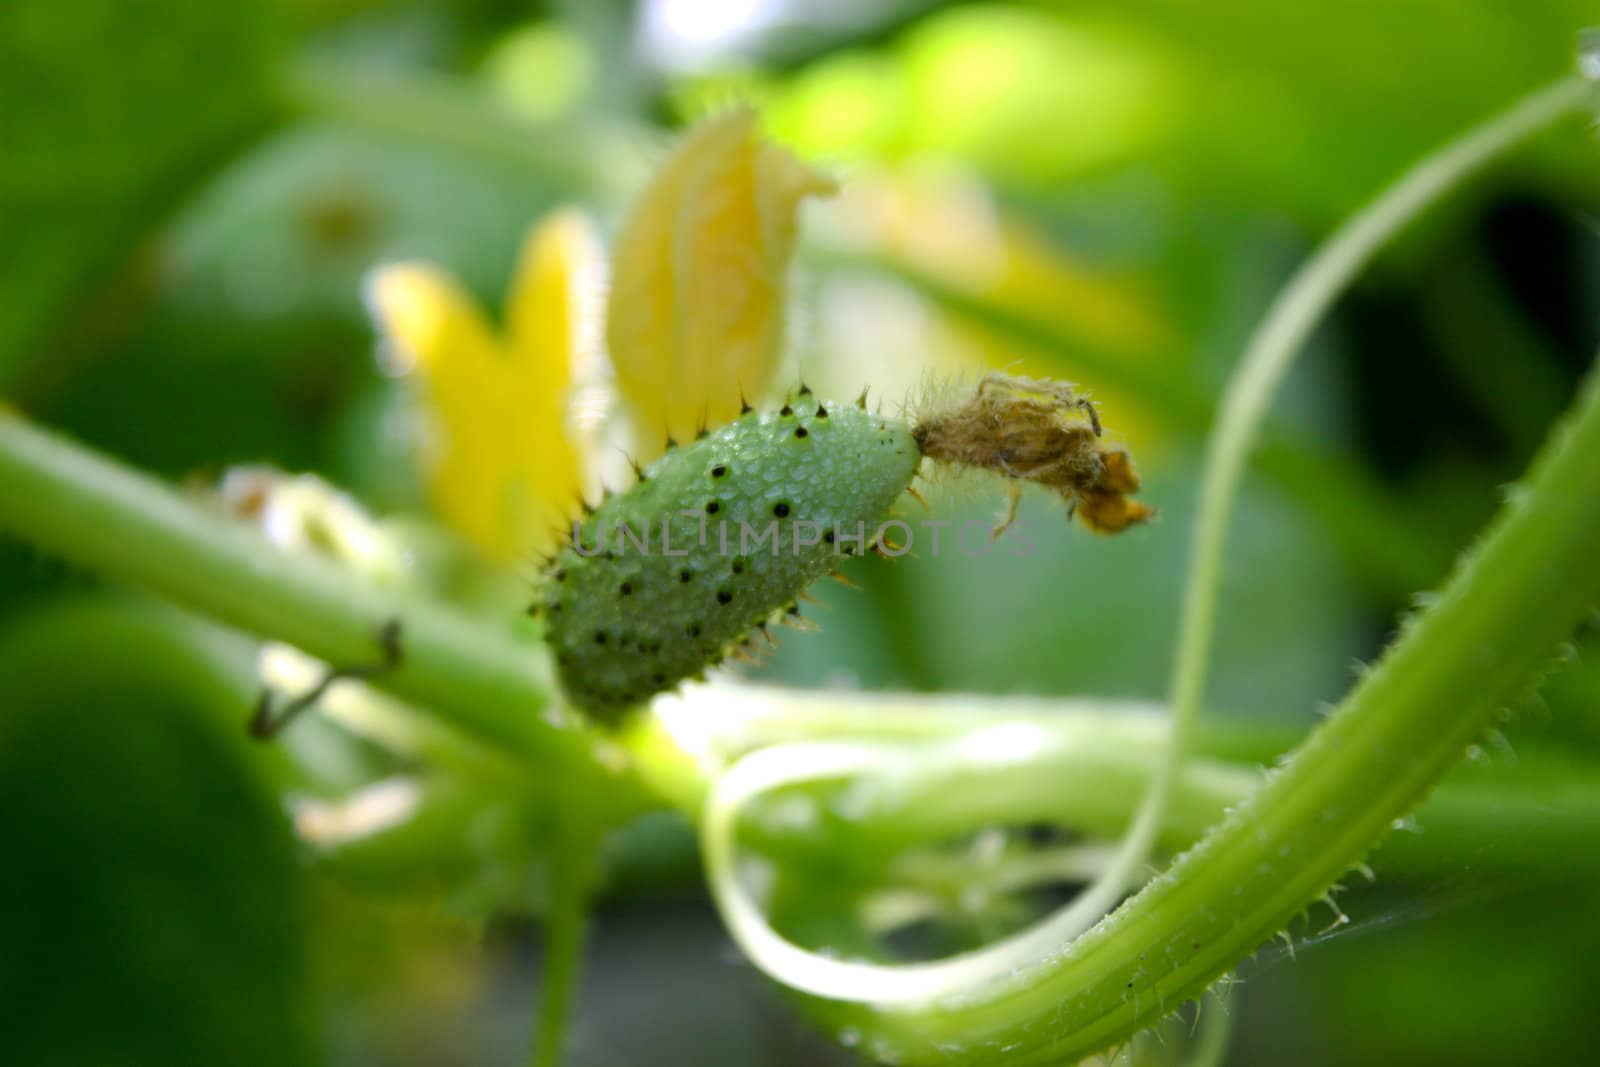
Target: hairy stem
(1501,617)
(1281,335)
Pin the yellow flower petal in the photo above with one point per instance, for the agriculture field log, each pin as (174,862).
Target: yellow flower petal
(501,468)
(445,341)
(697,294)
(428,316)
(549,321)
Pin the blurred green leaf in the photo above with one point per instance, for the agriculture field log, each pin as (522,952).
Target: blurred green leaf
(254,342)
(149,904)
(1305,108)
(1311,107)
(109,112)
(1493,973)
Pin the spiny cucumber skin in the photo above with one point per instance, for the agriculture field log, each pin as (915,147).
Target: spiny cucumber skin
(625,624)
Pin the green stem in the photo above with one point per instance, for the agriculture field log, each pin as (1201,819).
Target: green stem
(1502,615)
(1281,335)
(1085,765)
(1497,623)
(571,881)
(137,530)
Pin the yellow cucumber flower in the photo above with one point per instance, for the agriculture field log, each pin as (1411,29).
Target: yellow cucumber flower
(500,465)
(695,316)
(697,292)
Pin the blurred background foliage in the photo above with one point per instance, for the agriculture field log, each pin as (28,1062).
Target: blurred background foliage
(191,194)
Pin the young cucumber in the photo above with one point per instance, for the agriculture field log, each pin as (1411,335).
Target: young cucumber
(717,537)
